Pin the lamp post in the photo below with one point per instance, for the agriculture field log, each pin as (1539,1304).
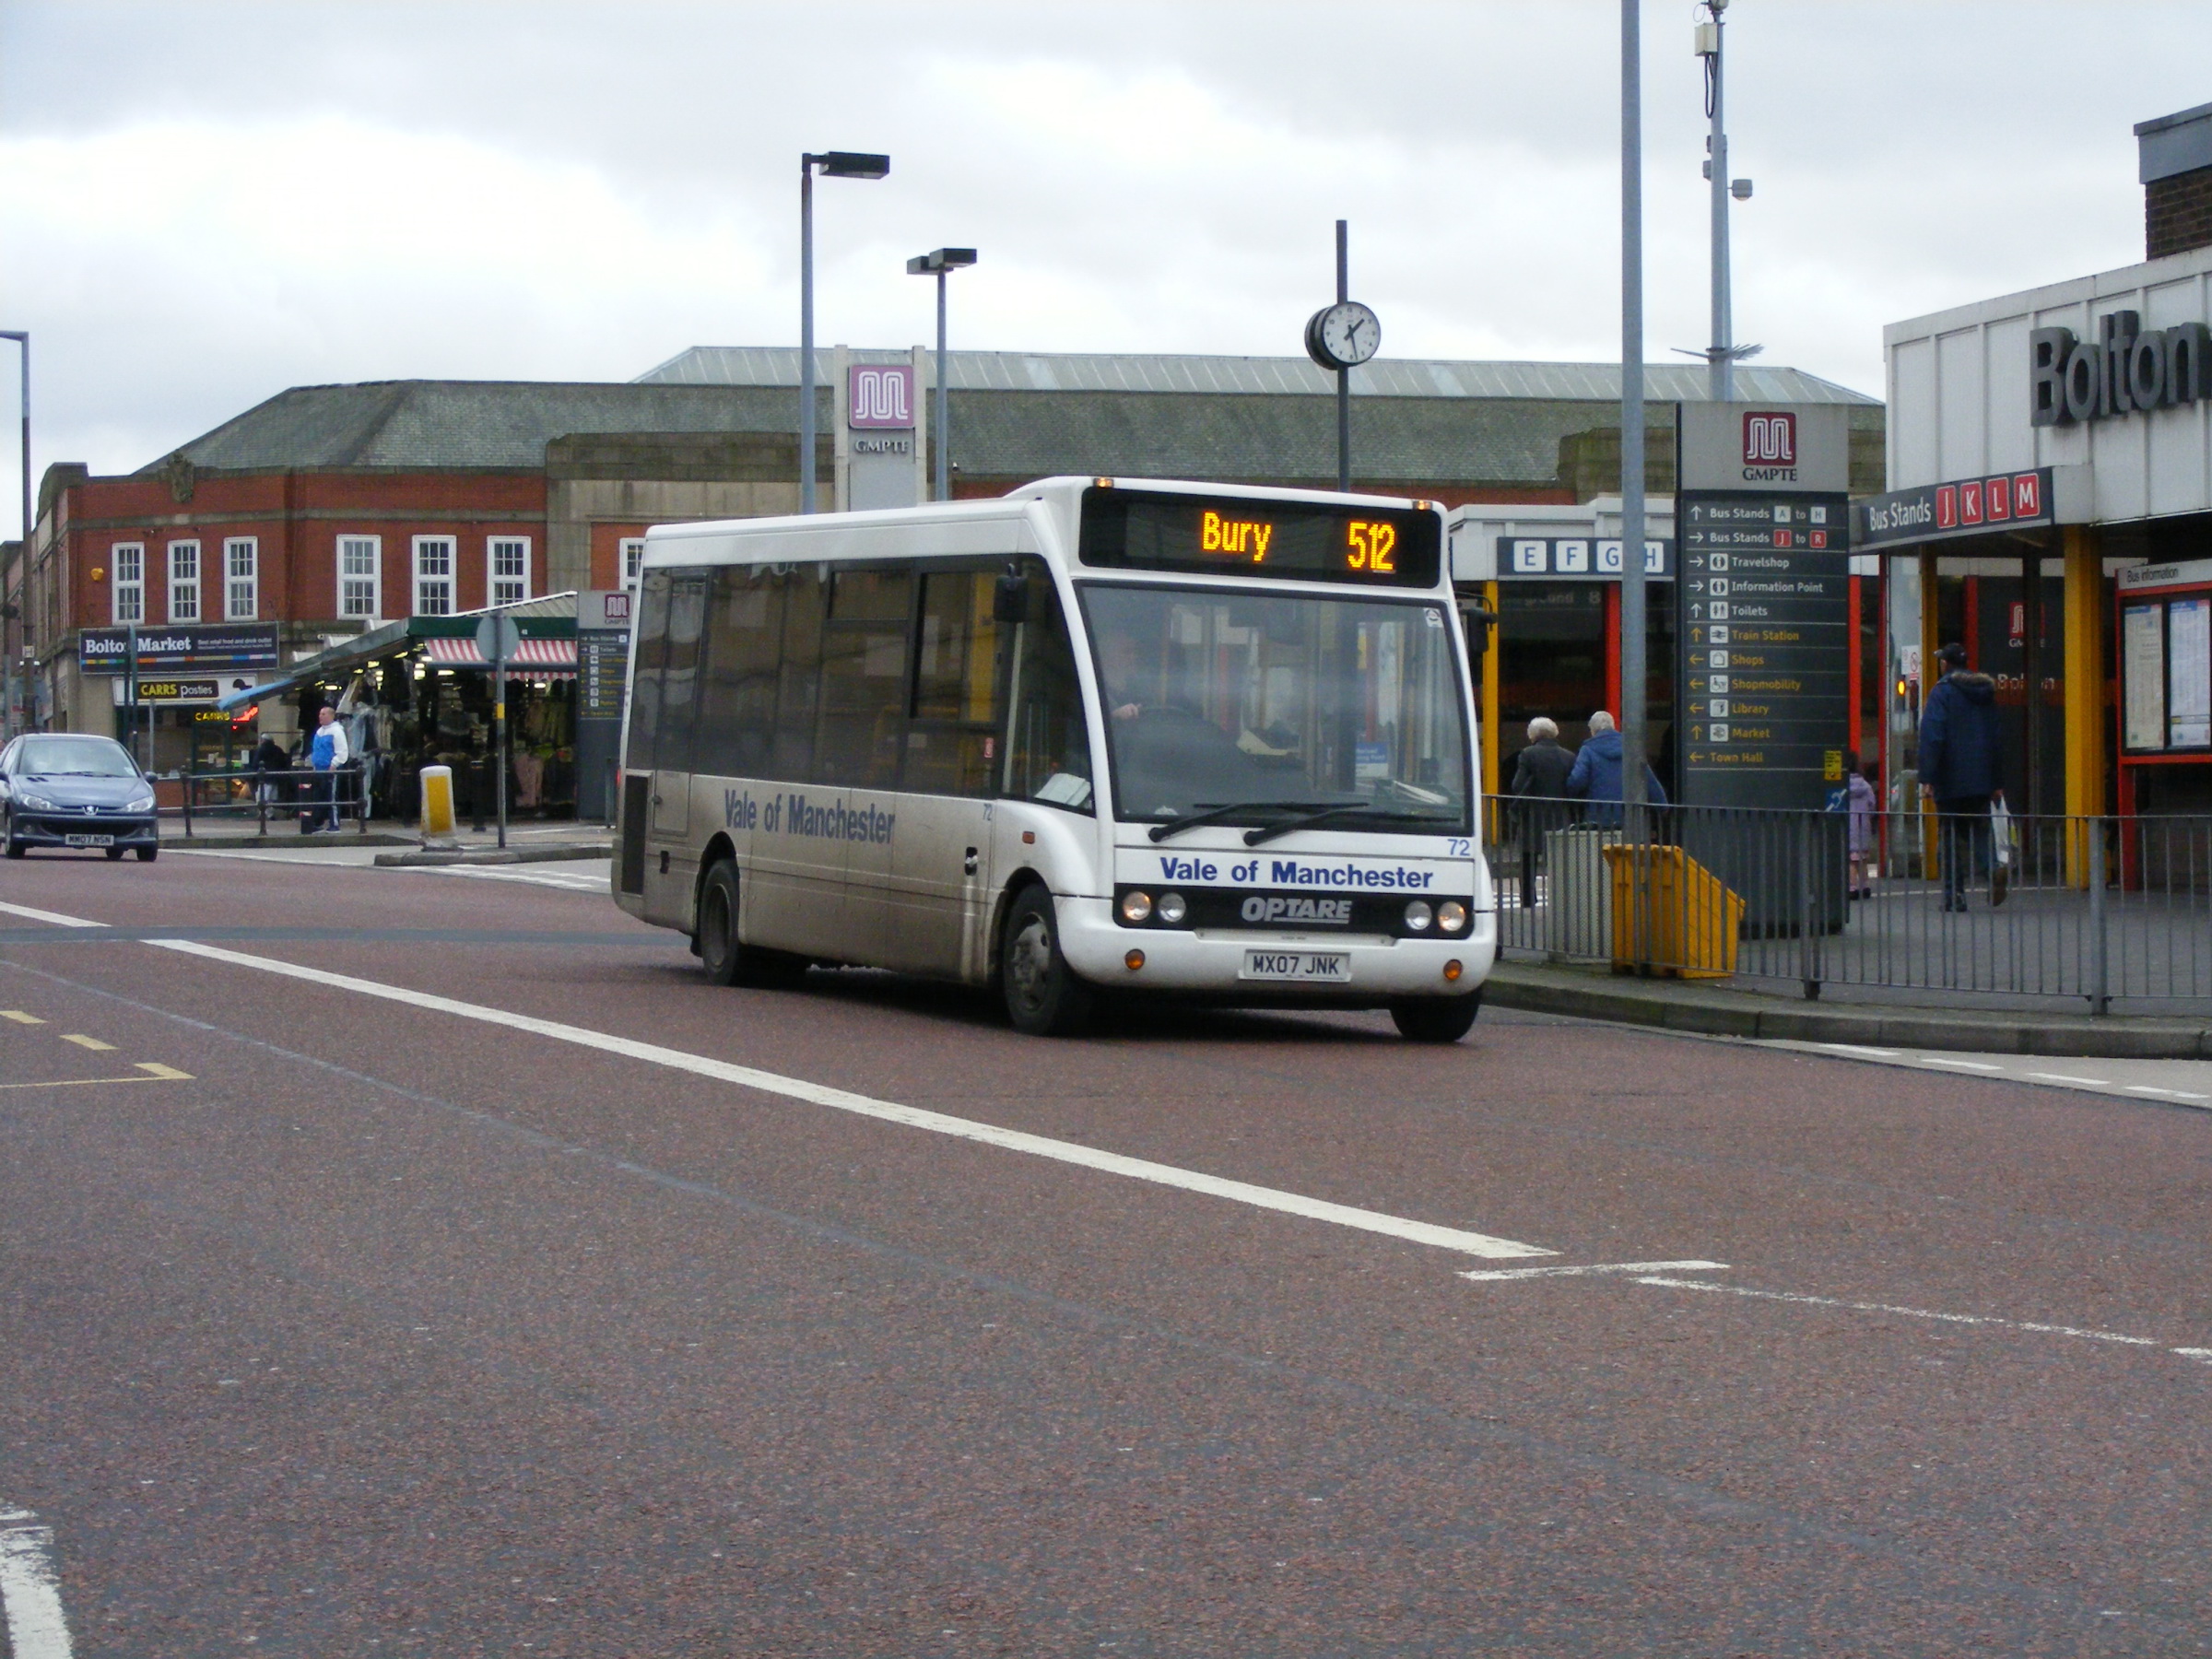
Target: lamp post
(941,263)
(1723,355)
(1633,674)
(834,164)
(8,668)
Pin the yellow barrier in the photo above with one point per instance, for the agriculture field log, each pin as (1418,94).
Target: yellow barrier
(437,803)
(1694,916)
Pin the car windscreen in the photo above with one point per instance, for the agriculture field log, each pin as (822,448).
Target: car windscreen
(1284,701)
(73,757)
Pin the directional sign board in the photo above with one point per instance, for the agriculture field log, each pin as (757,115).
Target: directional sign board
(1764,604)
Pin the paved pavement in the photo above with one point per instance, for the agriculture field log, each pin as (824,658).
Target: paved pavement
(427,1261)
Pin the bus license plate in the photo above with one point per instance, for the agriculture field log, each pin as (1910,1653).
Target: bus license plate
(1300,967)
(89,841)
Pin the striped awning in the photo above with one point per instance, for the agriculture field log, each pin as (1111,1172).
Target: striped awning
(532,657)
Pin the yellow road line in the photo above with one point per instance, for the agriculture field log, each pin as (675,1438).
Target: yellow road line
(20,1016)
(160,1074)
(90,1043)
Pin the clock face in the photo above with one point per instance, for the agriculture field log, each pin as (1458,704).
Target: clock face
(1349,334)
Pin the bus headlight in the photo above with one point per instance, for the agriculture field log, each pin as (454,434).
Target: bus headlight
(1135,906)
(1418,915)
(1172,909)
(1452,915)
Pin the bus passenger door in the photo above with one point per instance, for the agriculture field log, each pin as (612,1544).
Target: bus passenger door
(668,891)
(940,874)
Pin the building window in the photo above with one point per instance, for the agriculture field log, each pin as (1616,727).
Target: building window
(633,558)
(184,582)
(242,579)
(508,557)
(127,592)
(433,575)
(360,577)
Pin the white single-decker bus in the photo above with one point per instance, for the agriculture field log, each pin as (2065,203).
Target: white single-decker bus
(1100,735)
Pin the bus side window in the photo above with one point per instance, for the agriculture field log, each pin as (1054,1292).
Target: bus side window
(680,672)
(737,714)
(645,689)
(952,740)
(862,729)
(799,683)
(1048,741)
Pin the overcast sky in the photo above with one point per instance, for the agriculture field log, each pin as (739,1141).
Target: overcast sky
(203,203)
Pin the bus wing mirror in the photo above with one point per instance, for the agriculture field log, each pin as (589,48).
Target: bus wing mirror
(1477,620)
(1010,600)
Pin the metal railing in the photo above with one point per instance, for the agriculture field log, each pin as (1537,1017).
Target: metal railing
(340,792)
(2037,910)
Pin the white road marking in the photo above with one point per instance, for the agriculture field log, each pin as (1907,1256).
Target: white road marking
(1962,1319)
(1491,1274)
(568,883)
(2064,1077)
(1980,1066)
(30,1594)
(2171,1094)
(890,1112)
(1856,1048)
(49,916)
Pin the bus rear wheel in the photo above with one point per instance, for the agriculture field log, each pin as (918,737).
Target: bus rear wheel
(726,962)
(1435,1018)
(1044,997)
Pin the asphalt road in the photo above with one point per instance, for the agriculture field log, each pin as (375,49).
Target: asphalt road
(486,1283)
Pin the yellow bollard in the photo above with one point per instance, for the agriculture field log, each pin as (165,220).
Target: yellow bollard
(437,803)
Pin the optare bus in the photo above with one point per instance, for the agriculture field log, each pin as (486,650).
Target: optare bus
(1098,736)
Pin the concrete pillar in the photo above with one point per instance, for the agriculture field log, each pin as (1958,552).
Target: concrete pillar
(2086,718)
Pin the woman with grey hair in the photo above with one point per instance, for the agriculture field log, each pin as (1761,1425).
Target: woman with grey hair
(1539,774)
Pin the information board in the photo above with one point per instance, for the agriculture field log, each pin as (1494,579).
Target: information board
(2143,675)
(1764,621)
(2189,673)
(602,661)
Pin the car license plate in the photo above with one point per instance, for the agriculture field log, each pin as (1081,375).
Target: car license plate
(89,841)
(1299,967)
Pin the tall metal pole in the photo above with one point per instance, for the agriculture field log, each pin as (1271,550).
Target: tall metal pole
(8,630)
(1722,362)
(1633,674)
(1344,376)
(805,334)
(943,490)
(499,708)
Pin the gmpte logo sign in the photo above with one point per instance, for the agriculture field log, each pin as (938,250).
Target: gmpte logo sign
(880,396)
(1769,445)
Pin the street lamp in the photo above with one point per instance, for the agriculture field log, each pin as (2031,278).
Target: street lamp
(941,264)
(8,669)
(834,164)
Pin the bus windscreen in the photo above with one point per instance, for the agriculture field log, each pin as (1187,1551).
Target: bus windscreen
(1296,541)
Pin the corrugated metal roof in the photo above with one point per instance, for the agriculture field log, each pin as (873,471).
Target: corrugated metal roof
(1390,377)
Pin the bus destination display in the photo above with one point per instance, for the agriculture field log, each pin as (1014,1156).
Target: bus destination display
(1294,541)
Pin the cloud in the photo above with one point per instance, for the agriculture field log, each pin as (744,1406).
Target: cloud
(203,204)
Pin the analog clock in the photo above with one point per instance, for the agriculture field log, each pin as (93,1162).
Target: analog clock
(1342,336)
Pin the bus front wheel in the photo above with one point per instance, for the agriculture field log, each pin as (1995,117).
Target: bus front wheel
(1044,998)
(1435,1018)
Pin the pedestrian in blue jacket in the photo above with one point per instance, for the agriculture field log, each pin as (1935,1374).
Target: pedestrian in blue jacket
(1962,770)
(1596,775)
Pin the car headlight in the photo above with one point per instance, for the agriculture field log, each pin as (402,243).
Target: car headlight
(1452,915)
(143,804)
(1172,909)
(1135,906)
(35,802)
(1418,915)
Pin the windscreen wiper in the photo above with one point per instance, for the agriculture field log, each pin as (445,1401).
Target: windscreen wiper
(1219,813)
(1267,832)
